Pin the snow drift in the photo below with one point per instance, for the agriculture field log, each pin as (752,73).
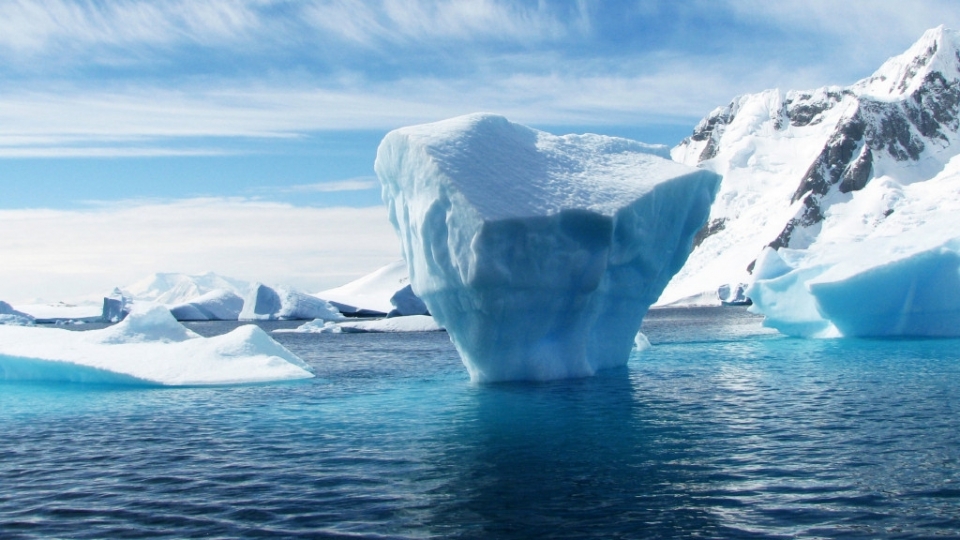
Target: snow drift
(539,254)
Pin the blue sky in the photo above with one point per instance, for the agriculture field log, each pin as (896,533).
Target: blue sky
(112,105)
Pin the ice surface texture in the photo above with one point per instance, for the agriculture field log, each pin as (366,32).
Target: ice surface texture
(148,347)
(539,254)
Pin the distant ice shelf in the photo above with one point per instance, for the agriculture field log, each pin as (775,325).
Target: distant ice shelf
(539,254)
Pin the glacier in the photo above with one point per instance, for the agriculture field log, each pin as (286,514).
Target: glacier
(798,165)
(539,254)
(886,264)
(149,347)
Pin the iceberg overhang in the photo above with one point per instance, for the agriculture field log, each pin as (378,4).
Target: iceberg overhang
(539,254)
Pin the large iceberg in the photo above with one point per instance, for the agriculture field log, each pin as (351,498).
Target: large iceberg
(539,254)
(265,303)
(147,347)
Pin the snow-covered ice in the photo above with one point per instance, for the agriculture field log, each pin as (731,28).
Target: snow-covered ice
(406,302)
(265,303)
(171,288)
(370,295)
(216,305)
(790,158)
(62,311)
(409,323)
(148,347)
(539,254)
(886,264)
(10,316)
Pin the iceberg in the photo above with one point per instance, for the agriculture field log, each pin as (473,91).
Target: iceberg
(216,305)
(539,254)
(10,316)
(265,303)
(115,307)
(370,295)
(406,302)
(148,347)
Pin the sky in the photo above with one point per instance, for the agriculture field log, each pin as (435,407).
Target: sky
(238,136)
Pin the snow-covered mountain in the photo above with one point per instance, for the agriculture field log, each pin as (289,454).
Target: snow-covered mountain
(795,164)
(175,288)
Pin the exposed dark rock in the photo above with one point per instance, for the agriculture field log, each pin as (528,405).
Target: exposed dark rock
(709,229)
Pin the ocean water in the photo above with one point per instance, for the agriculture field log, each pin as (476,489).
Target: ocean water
(720,430)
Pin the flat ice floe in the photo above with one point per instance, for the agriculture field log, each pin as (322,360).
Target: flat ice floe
(148,347)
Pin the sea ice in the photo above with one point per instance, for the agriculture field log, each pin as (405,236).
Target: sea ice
(270,304)
(147,347)
(539,254)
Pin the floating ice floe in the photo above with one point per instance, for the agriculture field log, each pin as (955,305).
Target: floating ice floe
(409,323)
(148,347)
(539,254)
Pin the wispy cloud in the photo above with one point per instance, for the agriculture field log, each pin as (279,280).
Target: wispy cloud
(352,184)
(63,254)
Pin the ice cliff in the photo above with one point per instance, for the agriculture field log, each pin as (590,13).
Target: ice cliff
(539,254)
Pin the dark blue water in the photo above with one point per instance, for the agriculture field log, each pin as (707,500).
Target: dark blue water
(721,430)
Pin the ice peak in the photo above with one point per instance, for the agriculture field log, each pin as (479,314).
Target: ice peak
(937,51)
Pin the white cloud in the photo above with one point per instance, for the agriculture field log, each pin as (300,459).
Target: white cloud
(351,184)
(31,26)
(56,254)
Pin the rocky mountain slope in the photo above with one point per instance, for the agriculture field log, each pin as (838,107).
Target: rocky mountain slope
(791,160)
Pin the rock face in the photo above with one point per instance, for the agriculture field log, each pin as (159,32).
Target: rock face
(539,254)
(791,159)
